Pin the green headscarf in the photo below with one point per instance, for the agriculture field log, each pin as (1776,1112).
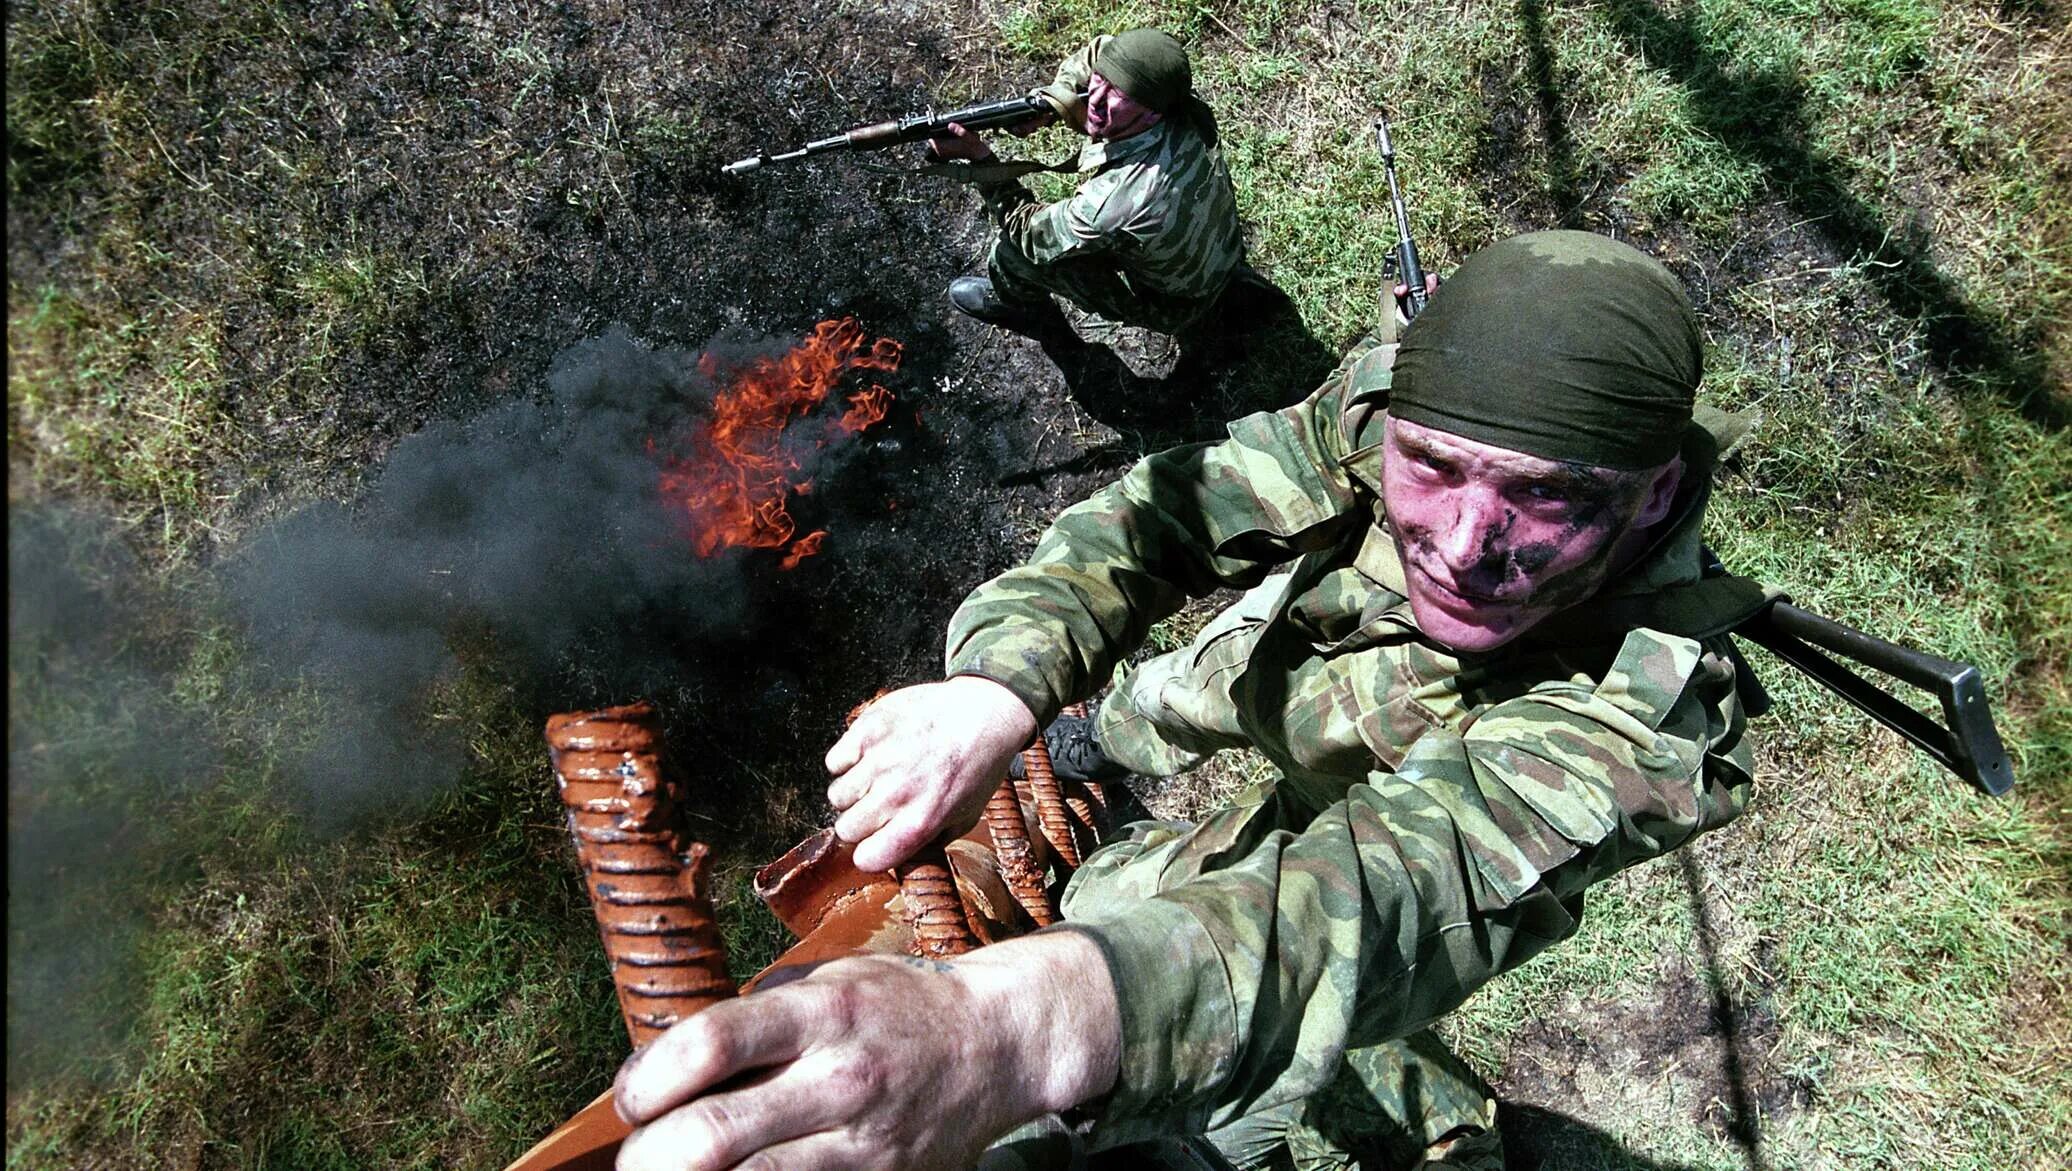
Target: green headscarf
(1152,68)
(1149,66)
(1564,345)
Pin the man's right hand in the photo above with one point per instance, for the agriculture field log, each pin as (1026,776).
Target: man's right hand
(922,761)
(878,1062)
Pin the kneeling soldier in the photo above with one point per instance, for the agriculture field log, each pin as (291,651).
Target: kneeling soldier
(1151,237)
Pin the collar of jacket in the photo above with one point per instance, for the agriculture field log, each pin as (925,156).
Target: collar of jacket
(1665,589)
(1096,156)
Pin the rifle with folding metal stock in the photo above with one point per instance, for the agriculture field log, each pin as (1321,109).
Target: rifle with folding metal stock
(911,128)
(1965,742)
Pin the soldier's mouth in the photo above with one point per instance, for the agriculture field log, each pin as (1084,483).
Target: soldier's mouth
(1455,599)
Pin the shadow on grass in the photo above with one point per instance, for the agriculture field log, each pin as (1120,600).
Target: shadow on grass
(1543,1140)
(1743,1120)
(1564,185)
(1253,352)
(1760,114)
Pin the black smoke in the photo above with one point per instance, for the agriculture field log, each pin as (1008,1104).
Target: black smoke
(98,750)
(307,669)
(532,539)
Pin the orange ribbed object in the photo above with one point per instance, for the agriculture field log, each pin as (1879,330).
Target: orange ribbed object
(646,877)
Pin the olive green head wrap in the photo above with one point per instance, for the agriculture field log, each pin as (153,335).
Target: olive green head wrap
(1149,66)
(1564,345)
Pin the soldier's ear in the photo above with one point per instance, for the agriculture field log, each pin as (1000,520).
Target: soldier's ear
(1661,493)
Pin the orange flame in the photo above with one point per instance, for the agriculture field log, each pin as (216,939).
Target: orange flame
(738,468)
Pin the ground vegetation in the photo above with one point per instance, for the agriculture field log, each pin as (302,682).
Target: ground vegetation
(335,329)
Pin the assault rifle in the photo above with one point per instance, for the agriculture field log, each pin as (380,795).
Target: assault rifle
(1408,270)
(912,128)
(1965,742)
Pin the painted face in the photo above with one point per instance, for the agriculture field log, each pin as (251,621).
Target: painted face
(1493,540)
(1112,115)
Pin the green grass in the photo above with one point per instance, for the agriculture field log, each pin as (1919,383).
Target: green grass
(1872,188)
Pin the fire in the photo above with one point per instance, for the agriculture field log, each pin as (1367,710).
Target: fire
(737,469)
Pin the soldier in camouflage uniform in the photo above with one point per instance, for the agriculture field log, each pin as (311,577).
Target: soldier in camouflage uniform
(1476,642)
(1151,237)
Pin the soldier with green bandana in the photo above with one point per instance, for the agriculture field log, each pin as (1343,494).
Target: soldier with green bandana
(1151,237)
(1477,643)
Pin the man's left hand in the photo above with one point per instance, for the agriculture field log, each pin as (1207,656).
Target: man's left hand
(877,1062)
(960,143)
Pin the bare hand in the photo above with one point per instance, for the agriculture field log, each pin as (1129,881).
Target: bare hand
(960,143)
(1403,290)
(920,762)
(877,1062)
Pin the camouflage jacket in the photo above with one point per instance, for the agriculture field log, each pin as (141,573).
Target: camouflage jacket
(1441,813)
(1157,204)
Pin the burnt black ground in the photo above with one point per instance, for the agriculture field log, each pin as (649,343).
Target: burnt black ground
(553,171)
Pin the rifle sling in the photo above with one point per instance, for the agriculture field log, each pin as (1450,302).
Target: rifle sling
(997,171)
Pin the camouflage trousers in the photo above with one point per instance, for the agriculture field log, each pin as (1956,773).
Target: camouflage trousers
(1409,1103)
(1097,285)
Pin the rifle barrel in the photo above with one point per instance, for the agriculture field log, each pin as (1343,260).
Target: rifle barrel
(913,128)
(1406,248)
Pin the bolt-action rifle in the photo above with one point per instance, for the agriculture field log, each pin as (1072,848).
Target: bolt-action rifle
(1408,270)
(912,128)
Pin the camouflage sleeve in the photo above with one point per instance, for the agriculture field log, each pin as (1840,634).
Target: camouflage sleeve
(1252,950)
(1106,210)
(1074,72)
(1181,523)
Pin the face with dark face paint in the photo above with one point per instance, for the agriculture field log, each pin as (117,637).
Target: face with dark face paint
(1493,540)
(1113,115)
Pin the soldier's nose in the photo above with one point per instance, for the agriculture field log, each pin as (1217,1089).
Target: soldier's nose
(1470,537)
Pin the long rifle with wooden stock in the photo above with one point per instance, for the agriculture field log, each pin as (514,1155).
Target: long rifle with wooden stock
(911,128)
(1965,741)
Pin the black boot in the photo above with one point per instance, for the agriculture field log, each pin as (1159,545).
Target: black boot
(1074,753)
(974,296)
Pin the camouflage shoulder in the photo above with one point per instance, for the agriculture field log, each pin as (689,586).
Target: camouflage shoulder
(1368,377)
(1295,452)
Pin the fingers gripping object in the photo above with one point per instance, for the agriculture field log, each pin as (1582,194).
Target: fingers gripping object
(647,886)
